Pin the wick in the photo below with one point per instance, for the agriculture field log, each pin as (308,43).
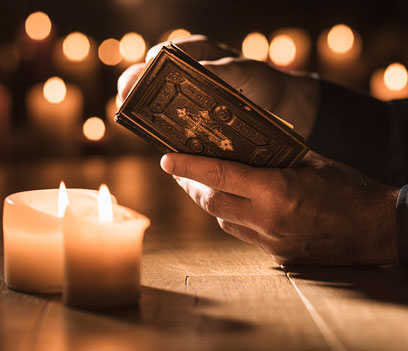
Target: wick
(186,280)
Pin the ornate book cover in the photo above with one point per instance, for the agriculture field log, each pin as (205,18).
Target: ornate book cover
(182,107)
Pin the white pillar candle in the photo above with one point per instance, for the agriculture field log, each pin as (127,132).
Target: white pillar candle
(103,247)
(33,243)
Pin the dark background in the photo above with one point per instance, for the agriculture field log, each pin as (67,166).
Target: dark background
(382,25)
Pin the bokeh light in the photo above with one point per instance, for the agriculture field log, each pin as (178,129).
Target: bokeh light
(282,50)
(54,90)
(340,39)
(76,46)
(109,52)
(178,33)
(38,25)
(395,76)
(132,47)
(94,128)
(255,46)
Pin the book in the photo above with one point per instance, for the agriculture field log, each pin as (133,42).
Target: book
(180,106)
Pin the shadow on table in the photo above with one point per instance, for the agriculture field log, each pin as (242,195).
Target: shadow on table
(387,284)
(169,310)
(160,320)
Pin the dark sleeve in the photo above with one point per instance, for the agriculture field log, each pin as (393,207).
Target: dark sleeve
(365,133)
(402,226)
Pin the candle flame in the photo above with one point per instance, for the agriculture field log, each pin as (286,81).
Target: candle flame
(340,39)
(38,25)
(105,204)
(76,47)
(396,76)
(62,199)
(132,47)
(255,46)
(282,50)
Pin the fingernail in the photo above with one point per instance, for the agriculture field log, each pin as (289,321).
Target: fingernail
(167,164)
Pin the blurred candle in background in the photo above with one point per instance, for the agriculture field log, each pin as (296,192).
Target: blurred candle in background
(339,51)
(94,128)
(255,46)
(178,33)
(76,56)
(289,49)
(35,42)
(55,109)
(38,25)
(76,47)
(109,53)
(123,139)
(133,48)
(390,83)
(5,113)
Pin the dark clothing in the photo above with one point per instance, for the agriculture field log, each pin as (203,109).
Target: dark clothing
(368,135)
(365,133)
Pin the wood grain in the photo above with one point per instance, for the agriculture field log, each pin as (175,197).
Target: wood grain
(202,289)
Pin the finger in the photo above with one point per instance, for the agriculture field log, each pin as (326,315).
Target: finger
(232,70)
(217,203)
(246,234)
(227,176)
(197,46)
(128,78)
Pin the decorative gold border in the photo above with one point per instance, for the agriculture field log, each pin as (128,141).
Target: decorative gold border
(225,87)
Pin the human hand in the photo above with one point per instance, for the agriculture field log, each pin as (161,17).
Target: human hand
(292,97)
(321,212)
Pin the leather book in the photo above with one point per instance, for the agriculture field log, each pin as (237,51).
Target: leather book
(180,106)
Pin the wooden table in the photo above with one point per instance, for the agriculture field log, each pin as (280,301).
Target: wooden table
(202,289)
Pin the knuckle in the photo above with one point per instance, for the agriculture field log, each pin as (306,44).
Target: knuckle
(209,202)
(224,225)
(217,175)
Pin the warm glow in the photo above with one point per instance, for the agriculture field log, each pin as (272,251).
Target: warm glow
(132,47)
(340,39)
(76,46)
(109,53)
(118,102)
(178,33)
(94,128)
(395,77)
(38,26)
(105,204)
(282,50)
(255,46)
(62,199)
(54,90)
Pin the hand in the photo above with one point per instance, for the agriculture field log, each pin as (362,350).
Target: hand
(321,212)
(294,98)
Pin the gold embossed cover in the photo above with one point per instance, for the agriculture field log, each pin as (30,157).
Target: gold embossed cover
(182,107)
